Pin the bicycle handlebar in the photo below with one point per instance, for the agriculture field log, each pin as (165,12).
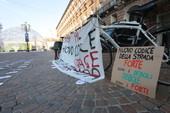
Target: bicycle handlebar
(92,15)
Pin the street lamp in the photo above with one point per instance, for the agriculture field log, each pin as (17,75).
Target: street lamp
(0,27)
(26,27)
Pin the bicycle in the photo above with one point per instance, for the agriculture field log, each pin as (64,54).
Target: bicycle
(122,34)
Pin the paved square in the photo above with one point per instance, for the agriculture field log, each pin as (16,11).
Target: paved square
(38,88)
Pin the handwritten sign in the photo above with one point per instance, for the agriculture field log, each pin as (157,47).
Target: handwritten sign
(81,54)
(137,68)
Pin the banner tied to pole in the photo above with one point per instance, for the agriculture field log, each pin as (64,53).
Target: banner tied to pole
(137,68)
(81,54)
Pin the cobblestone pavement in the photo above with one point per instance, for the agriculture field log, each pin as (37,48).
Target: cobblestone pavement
(32,86)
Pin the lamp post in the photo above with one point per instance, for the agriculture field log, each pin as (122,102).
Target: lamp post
(0,27)
(26,27)
(0,37)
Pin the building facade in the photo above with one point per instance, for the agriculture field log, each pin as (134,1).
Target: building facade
(110,11)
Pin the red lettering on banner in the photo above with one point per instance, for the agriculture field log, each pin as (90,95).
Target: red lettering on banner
(139,89)
(85,61)
(77,37)
(94,58)
(79,63)
(133,63)
(66,39)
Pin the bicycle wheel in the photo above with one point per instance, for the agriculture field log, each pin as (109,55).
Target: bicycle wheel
(163,35)
(164,76)
(106,55)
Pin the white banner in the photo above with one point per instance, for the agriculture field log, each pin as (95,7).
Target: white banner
(81,55)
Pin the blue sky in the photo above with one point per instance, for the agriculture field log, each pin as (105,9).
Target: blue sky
(42,15)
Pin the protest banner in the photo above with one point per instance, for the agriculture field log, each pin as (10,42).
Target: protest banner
(81,54)
(137,68)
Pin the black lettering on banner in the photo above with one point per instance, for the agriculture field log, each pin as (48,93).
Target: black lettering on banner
(68,49)
(82,49)
(77,50)
(72,50)
(93,71)
(86,71)
(91,39)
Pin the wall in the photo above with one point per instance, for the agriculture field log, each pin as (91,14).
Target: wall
(78,11)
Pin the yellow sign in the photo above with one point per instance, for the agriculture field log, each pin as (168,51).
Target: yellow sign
(18,47)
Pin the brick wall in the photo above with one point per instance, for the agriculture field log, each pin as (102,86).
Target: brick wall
(123,8)
(161,8)
(69,24)
(151,17)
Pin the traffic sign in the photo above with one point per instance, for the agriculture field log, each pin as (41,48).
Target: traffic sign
(26,37)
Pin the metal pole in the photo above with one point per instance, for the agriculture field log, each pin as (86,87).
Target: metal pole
(0,27)
(27,47)
(26,28)
(27,40)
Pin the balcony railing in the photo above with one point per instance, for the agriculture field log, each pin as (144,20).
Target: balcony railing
(110,5)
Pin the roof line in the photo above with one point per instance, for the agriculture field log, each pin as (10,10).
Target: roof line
(64,13)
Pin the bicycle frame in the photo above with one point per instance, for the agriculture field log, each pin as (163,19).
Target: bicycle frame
(130,25)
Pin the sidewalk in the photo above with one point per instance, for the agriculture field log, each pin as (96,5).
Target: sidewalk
(40,89)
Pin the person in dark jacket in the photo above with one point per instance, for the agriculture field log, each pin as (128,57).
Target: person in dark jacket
(57,48)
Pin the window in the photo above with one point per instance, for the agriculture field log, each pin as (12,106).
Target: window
(164,20)
(135,17)
(113,1)
(132,17)
(92,10)
(113,18)
(101,4)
